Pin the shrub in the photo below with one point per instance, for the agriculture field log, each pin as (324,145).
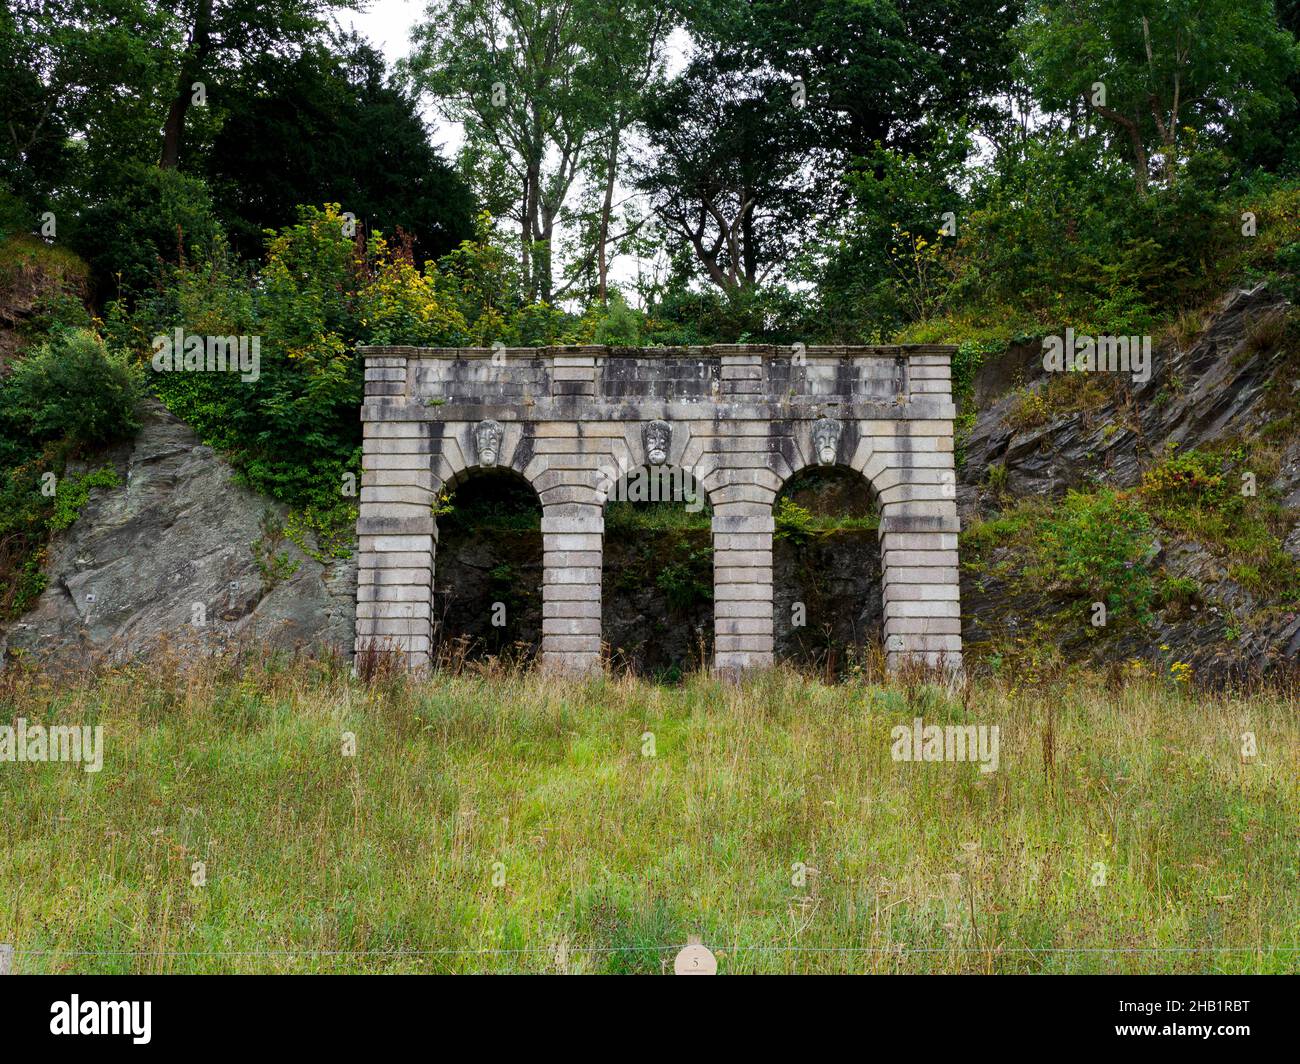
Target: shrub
(620,325)
(1099,546)
(71,388)
(793,522)
(1191,479)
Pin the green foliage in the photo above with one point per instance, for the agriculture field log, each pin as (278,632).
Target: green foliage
(73,492)
(497,501)
(1100,546)
(1198,493)
(1192,480)
(623,516)
(892,260)
(1160,91)
(620,325)
(28,516)
(150,219)
(1176,593)
(1084,548)
(793,522)
(687,580)
(274,565)
(79,91)
(42,286)
(293,432)
(16,216)
(966,362)
(70,388)
(328,126)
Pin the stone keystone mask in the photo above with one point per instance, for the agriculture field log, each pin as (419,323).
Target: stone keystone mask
(826,440)
(487,441)
(657,437)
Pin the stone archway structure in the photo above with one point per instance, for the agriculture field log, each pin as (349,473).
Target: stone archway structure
(741,419)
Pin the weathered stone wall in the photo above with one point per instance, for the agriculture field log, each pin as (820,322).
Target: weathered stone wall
(741,420)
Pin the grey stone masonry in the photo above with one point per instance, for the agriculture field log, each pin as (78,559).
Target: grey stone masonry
(740,420)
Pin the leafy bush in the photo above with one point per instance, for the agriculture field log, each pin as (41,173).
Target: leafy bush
(16,216)
(1192,480)
(793,522)
(1099,546)
(71,388)
(620,325)
(687,581)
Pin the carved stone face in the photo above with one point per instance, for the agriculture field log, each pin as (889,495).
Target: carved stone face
(657,437)
(487,442)
(826,440)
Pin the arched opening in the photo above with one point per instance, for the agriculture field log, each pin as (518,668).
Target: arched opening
(487,578)
(657,579)
(826,571)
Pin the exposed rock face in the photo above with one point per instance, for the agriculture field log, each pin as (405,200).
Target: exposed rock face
(477,570)
(835,578)
(1216,388)
(1212,389)
(171,545)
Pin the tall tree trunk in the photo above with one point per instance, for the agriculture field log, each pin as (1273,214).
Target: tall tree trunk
(1141,165)
(748,238)
(529,229)
(606,209)
(196,55)
(542,257)
(525,238)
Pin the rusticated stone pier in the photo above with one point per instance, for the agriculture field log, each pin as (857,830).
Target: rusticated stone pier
(576,422)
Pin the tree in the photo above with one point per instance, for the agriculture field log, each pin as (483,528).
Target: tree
(787,98)
(538,84)
(1155,72)
(146,219)
(219,34)
(726,175)
(81,84)
(870,73)
(628,39)
(330,127)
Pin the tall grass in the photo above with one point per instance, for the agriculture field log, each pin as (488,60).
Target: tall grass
(504,821)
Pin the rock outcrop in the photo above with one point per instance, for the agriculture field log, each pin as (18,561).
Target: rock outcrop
(1225,384)
(166,559)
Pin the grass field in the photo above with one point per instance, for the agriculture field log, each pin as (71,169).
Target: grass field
(501,821)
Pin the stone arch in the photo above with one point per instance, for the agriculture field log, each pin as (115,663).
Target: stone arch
(487,574)
(911,479)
